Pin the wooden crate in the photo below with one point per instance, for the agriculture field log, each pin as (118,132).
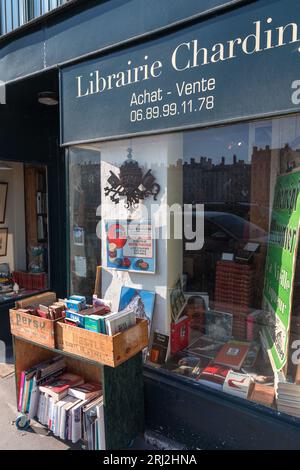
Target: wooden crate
(46,298)
(109,350)
(36,329)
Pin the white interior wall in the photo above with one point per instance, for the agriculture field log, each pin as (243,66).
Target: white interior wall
(161,155)
(15,217)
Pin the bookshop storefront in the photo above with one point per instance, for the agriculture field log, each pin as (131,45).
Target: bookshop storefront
(186,147)
(179,155)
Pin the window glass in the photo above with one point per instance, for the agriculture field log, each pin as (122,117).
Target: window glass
(231,325)
(224,208)
(84,201)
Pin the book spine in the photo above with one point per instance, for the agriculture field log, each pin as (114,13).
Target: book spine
(25,395)
(102,326)
(29,395)
(21,391)
(101,427)
(76,425)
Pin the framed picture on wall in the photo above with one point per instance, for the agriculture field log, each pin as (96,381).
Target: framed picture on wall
(3,241)
(3,198)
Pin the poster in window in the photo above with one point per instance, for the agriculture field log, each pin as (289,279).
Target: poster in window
(280,268)
(130,246)
(78,236)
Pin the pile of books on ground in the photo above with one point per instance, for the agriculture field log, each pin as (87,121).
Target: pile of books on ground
(63,402)
(288,396)
(98,317)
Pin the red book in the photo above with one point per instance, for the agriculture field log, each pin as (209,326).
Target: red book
(233,354)
(214,374)
(180,334)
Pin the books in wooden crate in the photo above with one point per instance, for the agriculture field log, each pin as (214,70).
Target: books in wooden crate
(31,327)
(108,350)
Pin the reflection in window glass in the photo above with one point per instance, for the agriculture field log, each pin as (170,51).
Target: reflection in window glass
(84,200)
(233,171)
(239,329)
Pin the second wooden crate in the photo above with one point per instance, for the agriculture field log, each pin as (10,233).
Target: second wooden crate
(109,350)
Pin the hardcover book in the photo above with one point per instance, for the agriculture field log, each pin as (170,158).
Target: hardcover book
(204,346)
(214,375)
(85,391)
(119,321)
(233,354)
(140,301)
(159,349)
(180,334)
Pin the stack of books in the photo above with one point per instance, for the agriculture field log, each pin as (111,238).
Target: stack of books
(288,396)
(61,401)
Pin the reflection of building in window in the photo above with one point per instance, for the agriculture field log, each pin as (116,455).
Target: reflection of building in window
(260,187)
(289,159)
(205,182)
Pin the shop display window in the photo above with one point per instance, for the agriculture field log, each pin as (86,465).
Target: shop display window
(227,305)
(84,207)
(243,305)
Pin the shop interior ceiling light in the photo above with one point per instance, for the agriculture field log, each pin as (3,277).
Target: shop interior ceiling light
(49,98)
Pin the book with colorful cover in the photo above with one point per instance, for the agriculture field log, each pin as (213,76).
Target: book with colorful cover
(159,348)
(29,395)
(140,301)
(238,384)
(180,334)
(214,375)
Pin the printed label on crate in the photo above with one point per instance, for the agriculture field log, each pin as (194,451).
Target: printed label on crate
(32,328)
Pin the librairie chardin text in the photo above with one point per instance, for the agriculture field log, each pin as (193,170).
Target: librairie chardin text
(190,55)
